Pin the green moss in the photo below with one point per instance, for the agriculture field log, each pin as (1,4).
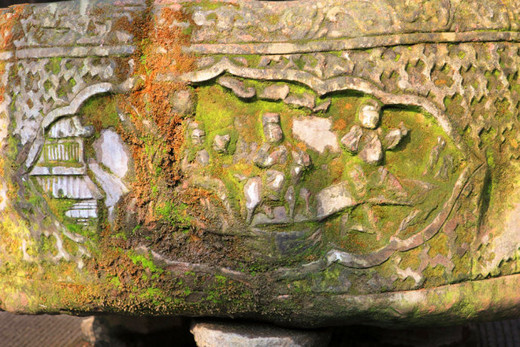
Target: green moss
(54,65)
(115,281)
(100,111)
(146,262)
(175,214)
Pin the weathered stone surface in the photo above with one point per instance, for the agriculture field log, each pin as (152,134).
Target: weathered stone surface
(111,152)
(394,136)
(272,130)
(352,138)
(183,102)
(372,151)
(333,199)
(221,142)
(111,184)
(395,225)
(253,195)
(274,180)
(198,136)
(203,157)
(323,107)
(257,335)
(275,92)
(303,100)
(237,87)
(369,114)
(316,133)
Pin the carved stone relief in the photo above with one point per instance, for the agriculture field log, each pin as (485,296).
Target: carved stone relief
(306,159)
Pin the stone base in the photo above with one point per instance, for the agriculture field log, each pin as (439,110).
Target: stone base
(255,335)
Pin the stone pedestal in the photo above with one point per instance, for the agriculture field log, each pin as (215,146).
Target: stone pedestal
(235,334)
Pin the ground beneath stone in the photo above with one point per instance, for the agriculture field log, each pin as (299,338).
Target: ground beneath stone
(43,331)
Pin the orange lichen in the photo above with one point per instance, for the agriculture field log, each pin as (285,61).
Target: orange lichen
(159,52)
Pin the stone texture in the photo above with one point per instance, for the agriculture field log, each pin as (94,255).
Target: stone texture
(394,136)
(274,181)
(262,158)
(352,138)
(203,157)
(238,87)
(369,114)
(316,133)
(221,142)
(111,184)
(272,129)
(303,100)
(257,335)
(198,136)
(275,92)
(112,152)
(422,221)
(333,199)
(183,102)
(323,107)
(372,151)
(253,195)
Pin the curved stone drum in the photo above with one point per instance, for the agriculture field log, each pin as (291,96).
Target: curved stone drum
(307,163)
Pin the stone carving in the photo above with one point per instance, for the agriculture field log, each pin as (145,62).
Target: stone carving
(234,158)
(61,170)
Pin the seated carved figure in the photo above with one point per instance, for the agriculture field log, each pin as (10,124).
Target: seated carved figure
(307,163)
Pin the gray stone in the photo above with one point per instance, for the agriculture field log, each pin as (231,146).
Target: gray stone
(301,158)
(254,335)
(315,132)
(69,127)
(262,158)
(111,151)
(275,92)
(198,136)
(434,154)
(274,182)
(369,114)
(253,195)
(446,168)
(203,157)
(301,161)
(305,194)
(69,187)
(372,151)
(272,130)
(293,242)
(290,199)
(183,102)
(303,100)
(237,86)
(323,107)
(333,199)
(111,184)
(279,155)
(264,61)
(277,216)
(352,138)
(394,136)
(220,143)
(241,60)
